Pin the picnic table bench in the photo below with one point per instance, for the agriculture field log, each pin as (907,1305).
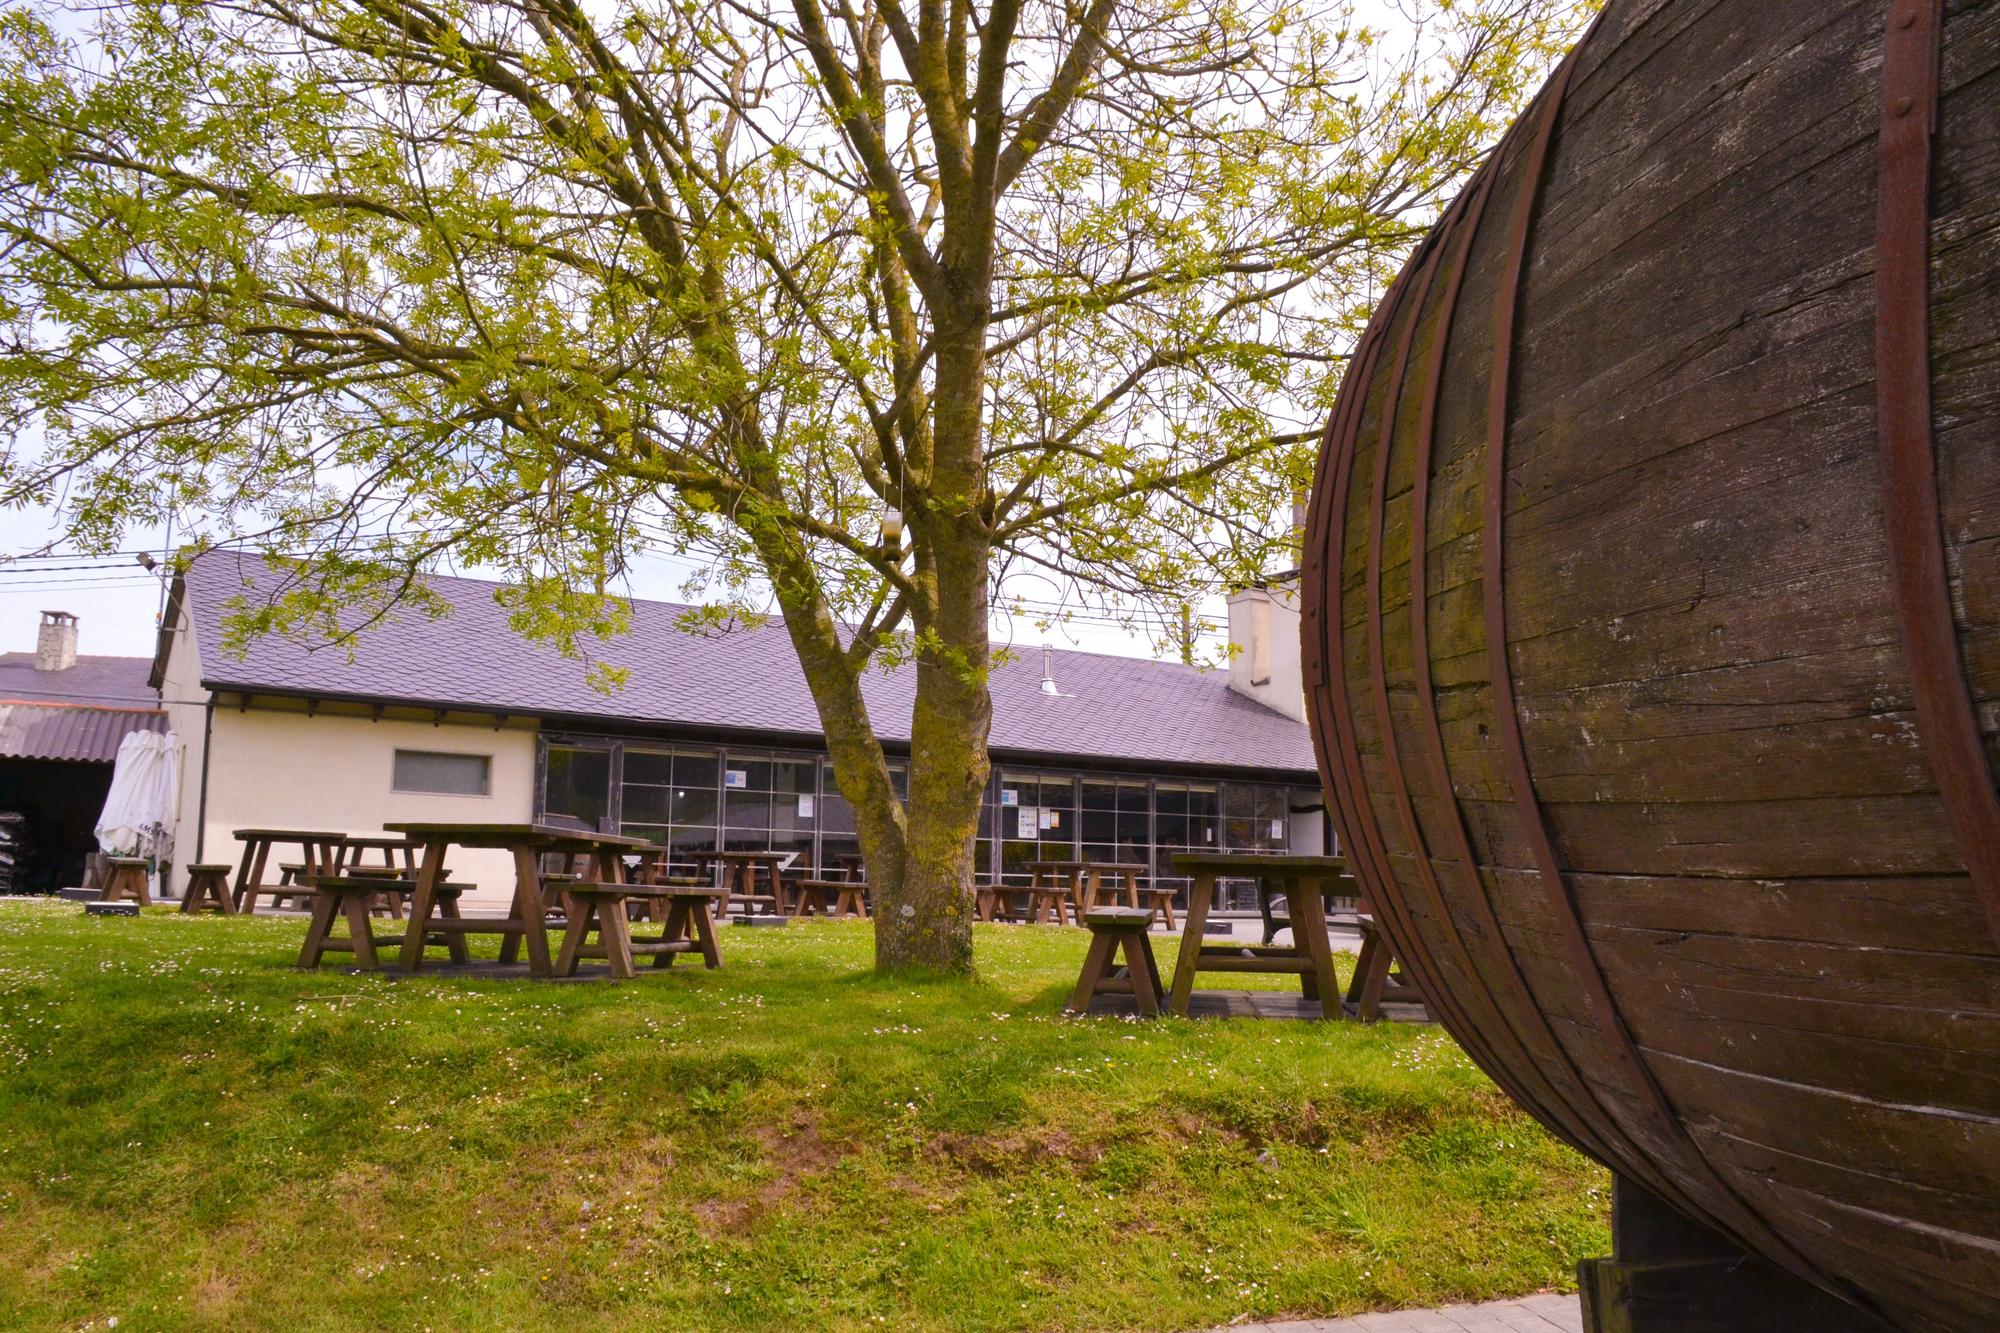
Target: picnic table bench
(352,898)
(830,898)
(689,927)
(526,922)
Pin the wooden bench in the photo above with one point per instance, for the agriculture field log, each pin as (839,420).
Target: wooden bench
(127,880)
(1047,899)
(851,900)
(1160,902)
(352,897)
(1115,930)
(993,902)
(1378,976)
(829,898)
(689,927)
(208,890)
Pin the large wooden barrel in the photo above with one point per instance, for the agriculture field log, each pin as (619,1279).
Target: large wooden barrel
(1652,627)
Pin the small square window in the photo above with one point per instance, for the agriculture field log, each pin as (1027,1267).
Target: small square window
(439,771)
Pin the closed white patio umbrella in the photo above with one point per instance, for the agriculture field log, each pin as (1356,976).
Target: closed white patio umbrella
(140,809)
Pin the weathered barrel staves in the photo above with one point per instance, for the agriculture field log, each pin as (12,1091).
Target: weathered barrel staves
(1653,627)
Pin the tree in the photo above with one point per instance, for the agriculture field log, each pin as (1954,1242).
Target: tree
(539,286)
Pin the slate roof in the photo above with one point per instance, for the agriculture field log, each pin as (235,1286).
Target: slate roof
(112,681)
(81,713)
(743,681)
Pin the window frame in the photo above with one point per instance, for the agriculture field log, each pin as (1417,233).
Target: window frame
(484,758)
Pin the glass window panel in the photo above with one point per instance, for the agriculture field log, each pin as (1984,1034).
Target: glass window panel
(579,784)
(785,817)
(748,810)
(1014,858)
(835,814)
(652,833)
(792,777)
(1133,798)
(697,770)
(694,839)
(1172,830)
(1099,795)
(1173,799)
(793,840)
(1134,830)
(693,806)
(837,853)
(451,773)
(646,805)
(1097,825)
(899,778)
(651,766)
(1203,802)
(756,773)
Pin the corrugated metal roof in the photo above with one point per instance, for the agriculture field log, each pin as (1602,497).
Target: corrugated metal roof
(39,730)
(744,680)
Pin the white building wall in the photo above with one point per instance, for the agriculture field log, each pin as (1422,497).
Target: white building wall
(274,765)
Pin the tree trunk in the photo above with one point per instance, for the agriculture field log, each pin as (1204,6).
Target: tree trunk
(928,922)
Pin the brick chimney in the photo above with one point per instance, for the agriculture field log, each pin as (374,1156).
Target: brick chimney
(55,644)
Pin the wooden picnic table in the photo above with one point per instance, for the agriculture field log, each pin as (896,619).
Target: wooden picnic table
(737,873)
(1054,887)
(320,855)
(527,916)
(397,854)
(1303,880)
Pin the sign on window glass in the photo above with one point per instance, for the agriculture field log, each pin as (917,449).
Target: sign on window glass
(805,807)
(735,777)
(1029,821)
(1008,796)
(1277,828)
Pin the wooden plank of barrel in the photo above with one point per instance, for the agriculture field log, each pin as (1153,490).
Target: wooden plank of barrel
(1677,792)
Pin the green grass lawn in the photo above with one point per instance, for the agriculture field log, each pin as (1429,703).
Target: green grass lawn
(193,1134)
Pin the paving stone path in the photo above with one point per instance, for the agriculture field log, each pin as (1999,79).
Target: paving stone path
(1530,1314)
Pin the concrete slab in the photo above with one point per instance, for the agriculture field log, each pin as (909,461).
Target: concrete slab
(1546,1313)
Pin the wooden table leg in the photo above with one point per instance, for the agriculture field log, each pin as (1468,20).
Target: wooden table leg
(574,932)
(243,874)
(702,917)
(615,933)
(1308,913)
(251,878)
(531,911)
(322,922)
(454,940)
(1144,972)
(1192,926)
(360,930)
(1371,976)
(422,898)
(1096,960)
